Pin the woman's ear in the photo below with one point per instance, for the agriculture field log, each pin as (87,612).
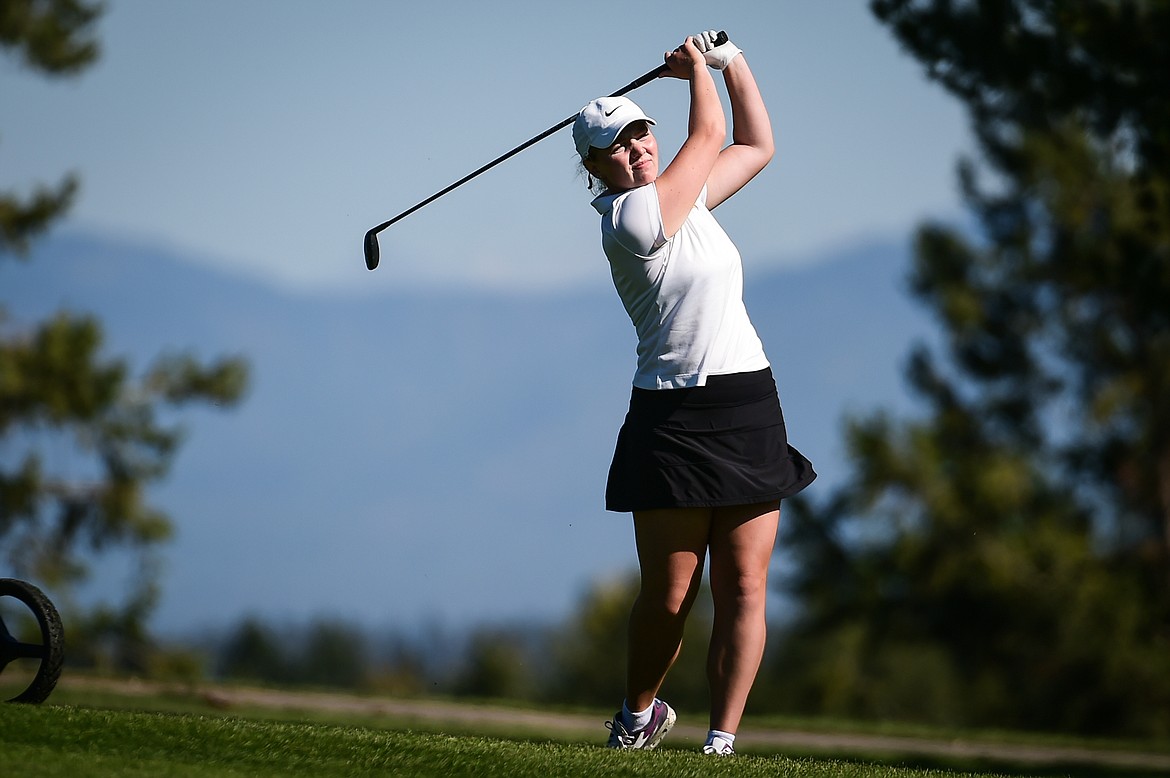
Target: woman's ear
(591,168)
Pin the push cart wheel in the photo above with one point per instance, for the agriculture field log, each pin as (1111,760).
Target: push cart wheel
(32,642)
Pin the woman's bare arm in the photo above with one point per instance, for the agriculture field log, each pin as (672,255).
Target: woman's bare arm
(682,180)
(752,144)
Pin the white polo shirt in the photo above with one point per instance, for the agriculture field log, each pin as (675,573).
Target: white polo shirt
(684,295)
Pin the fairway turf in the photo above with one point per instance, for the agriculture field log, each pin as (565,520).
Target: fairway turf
(70,742)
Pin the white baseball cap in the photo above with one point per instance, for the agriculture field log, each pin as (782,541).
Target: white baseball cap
(601,121)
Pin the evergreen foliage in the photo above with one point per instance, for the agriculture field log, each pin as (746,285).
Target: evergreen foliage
(1004,558)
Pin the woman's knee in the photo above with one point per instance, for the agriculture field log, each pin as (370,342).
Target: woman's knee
(741,555)
(670,598)
(739,590)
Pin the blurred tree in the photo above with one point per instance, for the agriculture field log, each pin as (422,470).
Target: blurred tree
(334,654)
(407,665)
(324,652)
(54,37)
(58,394)
(502,662)
(1017,535)
(115,639)
(590,649)
(100,425)
(254,652)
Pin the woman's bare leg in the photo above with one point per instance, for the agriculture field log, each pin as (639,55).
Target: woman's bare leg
(741,543)
(672,545)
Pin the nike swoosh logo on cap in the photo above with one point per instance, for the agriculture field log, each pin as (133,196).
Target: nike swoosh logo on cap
(611,110)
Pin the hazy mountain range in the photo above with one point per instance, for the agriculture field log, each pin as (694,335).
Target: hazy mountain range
(426,456)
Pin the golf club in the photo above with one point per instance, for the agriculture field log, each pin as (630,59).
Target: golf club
(371,241)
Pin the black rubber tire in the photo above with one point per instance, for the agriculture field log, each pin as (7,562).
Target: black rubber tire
(52,638)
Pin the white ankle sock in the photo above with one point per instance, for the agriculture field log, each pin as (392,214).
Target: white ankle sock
(636,720)
(715,735)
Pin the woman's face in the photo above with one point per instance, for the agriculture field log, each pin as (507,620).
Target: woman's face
(630,162)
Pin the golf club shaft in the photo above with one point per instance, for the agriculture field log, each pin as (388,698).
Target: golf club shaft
(371,240)
(653,74)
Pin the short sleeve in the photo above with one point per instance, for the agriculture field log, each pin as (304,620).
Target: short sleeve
(637,221)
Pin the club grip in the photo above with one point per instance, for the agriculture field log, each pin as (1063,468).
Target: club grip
(657,72)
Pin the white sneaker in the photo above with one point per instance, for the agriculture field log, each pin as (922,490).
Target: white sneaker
(661,720)
(719,747)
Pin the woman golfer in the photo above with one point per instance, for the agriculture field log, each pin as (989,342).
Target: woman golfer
(702,460)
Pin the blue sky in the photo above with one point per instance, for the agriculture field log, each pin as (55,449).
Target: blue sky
(264,137)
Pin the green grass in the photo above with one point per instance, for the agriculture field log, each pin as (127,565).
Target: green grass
(70,741)
(96,727)
(177,698)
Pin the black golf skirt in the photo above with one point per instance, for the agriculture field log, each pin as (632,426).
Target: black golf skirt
(705,446)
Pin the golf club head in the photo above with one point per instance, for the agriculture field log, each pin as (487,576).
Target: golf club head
(371,249)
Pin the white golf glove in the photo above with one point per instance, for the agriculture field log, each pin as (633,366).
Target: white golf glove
(717,57)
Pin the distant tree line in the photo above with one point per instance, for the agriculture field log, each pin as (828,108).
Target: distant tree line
(568,663)
(577,662)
